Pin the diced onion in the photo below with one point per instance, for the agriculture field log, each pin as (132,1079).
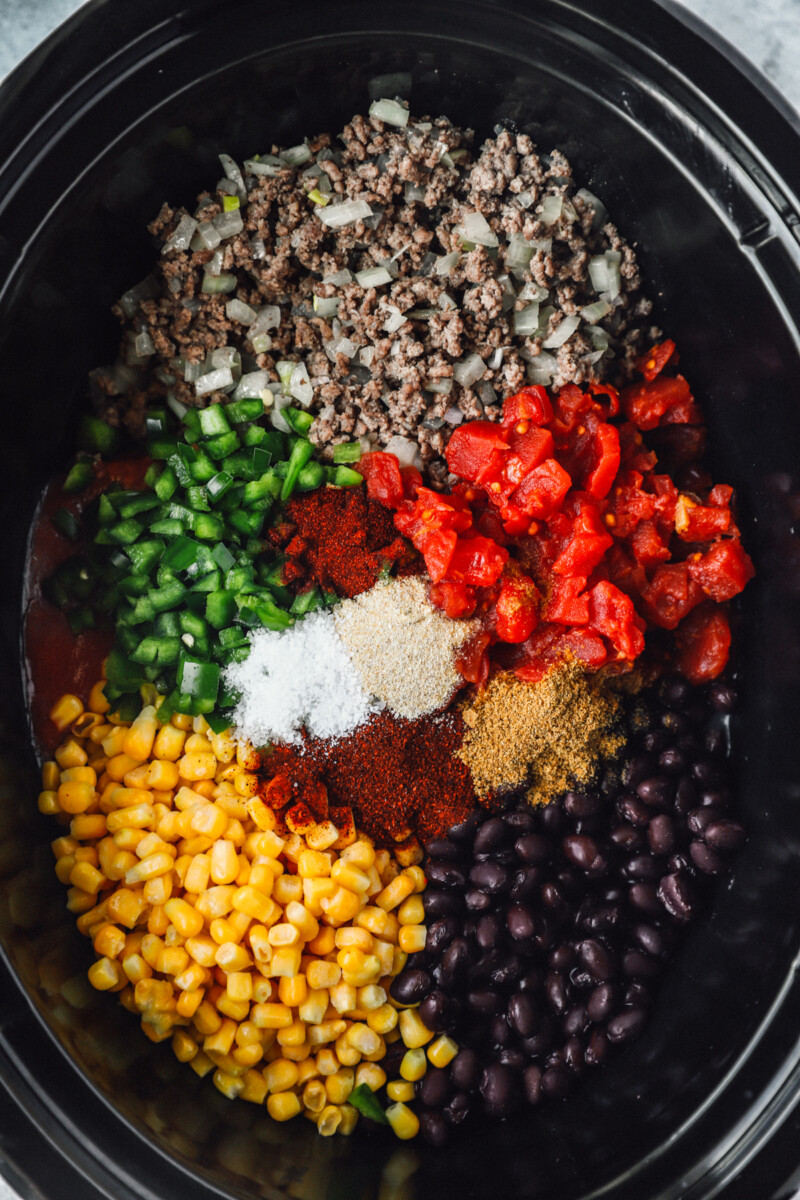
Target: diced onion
(407,452)
(366,355)
(300,385)
(217,283)
(295,156)
(268,165)
(268,317)
(180,410)
(209,235)
(562,333)
(551,209)
(391,112)
(131,300)
(445,264)
(533,291)
(276,417)
(475,228)
(598,272)
(261,342)
(336,216)
(340,278)
(446,303)
(412,192)
(285,368)
(519,252)
(214,381)
(228,224)
(595,312)
(454,416)
(496,359)
(251,385)
(469,370)
(542,368)
(233,173)
(526,199)
(373,277)
(614,258)
(182,235)
(394,320)
(143,344)
(526,321)
(600,210)
(347,346)
(440,387)
(192,371)
(326,306)
(237,310)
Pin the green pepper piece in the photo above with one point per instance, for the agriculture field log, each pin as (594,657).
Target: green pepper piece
(67,523)
(366,1102)
(300,455)
(311,477)
(97,437)
(220,608)
(198,680)
(79,476)
(345,477)
(166,483)
(213,421)
(299,420)
(347,452)
(306,602)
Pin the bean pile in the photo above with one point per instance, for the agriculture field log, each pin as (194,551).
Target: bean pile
(547,928)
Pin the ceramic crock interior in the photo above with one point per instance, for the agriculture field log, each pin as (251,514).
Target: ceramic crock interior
(236,85)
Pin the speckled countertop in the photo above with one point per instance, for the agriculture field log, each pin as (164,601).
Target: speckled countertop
(765,32)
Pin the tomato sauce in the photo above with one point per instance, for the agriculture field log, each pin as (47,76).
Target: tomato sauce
(56,660)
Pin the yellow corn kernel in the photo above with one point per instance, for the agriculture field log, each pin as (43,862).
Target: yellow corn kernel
(263,990)
(314,1096)
(63,846)
(312,1010)
(315,891)
(363,1039)
(352,935)
(327,1062)
(65,710)
(259,944)
(412,938)
(255,1087)
(188,1003)
(341,907)
(297,1054)
(140,816)
(323,974)
(112,744)
(404,1122)
(192,978)
(339,1086)
(347,1055)
(162,775)
(198,874)
(293,1035)
(412,910)
(442,1051)
(202,949)
(349,1120)
(126,906)
(222,1039)
(374,920)
(271,1016)
(172,960)
(417,876)
(399,960)
(303,920)
(88,827)
(137,777)
(359,969)
(198,765)
(105,974)
(283,1106)
(97,699)
(237,1010)
(109,941)
(75,797)
(231,1086)
(313,864)
(255,904)
(413,1030)
(230,957)
(343,997)
(284,934)
(47,803)
(119,765)
(370,1074)
(349,876)
(149,868)
(400,1090)
(136,968)
(215,902)
(184,1047)
(322,836)
(370,998)
(206,1019)
(395,893)
(139,739)
(86,877)
(382,1020)
(285,961)
(329,1120)
(248,1056)
(326,1031)
(293,990)
(79,774)
(259,812)
(287,888)
(186,919)
(414,1064)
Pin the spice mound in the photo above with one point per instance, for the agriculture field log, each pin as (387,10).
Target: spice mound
(402,647)
(550,735)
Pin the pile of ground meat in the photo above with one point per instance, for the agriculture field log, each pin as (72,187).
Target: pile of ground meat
(468,245)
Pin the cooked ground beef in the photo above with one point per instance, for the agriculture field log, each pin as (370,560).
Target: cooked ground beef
(396,358)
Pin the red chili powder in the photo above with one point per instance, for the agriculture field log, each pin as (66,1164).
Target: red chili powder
(344,539)
(400,777)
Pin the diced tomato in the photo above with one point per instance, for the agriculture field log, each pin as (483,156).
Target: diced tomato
(477,561)
(589,540)
(571,404)
(647,544)
(700,522)
(611,613)
(665,494)
(472,660)
(517,608)
(457,600)
(542,491)
(634,454)
(437,547)
(530,404)
(704,640)
(587,647)
(647,404)
(542,650)
(490,524)
(515,523)
(381,472)
(476,451)
(602,475)
(528,450)
(412,480)
(670,595)
(568,603)
(722,571)
(678,445)
(628,504)
(653,363)
(605,389)
(432,511)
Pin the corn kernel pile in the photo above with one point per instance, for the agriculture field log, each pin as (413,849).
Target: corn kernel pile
(265,955)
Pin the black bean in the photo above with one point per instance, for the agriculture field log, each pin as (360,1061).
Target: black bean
(481,972)
(520,922)
(658,791)
(627,1025)
(433,1128)
(674,722)
(637,769)
(442,848)
(456,958)
(655,741)
(500,1032)
(638,965)
(603,917)
(441,904)
(597,960)
(507,971)
(584,852)
(673,761)
(644,897)
(436,1010)
(446,874)
(489,931)
(434,1087)
(602,1002)
(562,957)
(634,811)
(596,1048)
(485,1001)
(494,834)
(533,849)
(680,862)
(678,896)
(638,994)
(523,1016)
(532,1083)
(650,939)
(674,691)
(724,835)
(411,985)
(553,819)
(556,1082)
(477,901)
(532,980)
(706,773)
(573,1055)
(718,797)
(628,837)
(716,741)
(661,834)
(489,877)
(465,1070)
(498,1087)
(458,1109)
(465,830)
(557,992)
(581,979)
(723,697)
(552,897)
(643,866)
(511,1057)
(441,933)
(575,1021)
(686,794)
(580,805)
(541,1042)
(526,883)
(707,860)
(522,821)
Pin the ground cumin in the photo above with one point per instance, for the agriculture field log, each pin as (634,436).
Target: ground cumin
(550,735)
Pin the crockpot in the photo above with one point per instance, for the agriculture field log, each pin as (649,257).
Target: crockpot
(127,105)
